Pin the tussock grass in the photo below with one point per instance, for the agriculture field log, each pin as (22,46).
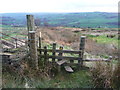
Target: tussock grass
(106,75)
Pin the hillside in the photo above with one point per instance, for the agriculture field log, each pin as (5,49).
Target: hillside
(101,70)
(86,19)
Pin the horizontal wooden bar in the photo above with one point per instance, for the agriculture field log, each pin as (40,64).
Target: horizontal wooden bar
(90,60)
(63,51)
(62,57)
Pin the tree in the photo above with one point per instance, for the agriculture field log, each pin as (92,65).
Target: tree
(37,22)
(46,24)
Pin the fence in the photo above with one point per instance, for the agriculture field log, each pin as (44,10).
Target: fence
(57,55)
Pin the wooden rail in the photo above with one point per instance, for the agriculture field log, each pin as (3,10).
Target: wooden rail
(61,57)
(59,53)
(63,51)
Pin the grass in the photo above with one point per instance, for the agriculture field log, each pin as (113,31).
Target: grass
(104,40)
(106,75)
(79,79)
(74,80)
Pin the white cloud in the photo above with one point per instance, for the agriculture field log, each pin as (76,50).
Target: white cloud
(58,5)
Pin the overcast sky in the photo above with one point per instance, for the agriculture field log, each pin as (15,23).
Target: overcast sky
(7,6)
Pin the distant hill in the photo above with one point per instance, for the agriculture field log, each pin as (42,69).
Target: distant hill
(83,19)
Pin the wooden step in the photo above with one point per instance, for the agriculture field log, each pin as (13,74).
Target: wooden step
(61,62)
(9,54)
(68,68)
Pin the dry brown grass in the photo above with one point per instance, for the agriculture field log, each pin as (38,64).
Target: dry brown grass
(106,75)
(66,37)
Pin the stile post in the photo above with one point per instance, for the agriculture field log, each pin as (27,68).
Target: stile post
(45,54)
(53,52)
(39,48)
(40,41)
(30,25)
(60,54)
(33,49)
(32,41)
(16,41)
(82,46)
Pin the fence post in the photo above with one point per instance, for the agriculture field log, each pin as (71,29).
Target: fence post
(32,41)
(30,25)
(39,49)
(60,54)
(53,52)
(33,49)
(45,54)
(40,41)
(82,46)
(16,41)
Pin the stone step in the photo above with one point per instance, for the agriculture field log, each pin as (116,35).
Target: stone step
(68,69)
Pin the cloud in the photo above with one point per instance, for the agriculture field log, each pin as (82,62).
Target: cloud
(58,5)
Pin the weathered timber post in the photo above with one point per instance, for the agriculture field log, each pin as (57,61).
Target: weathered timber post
(82,46)
(30,25)
(53,52)
(45,55)
(60,54)
(32,42)
(33,49)
(39,49)
(40,41)
(16,41)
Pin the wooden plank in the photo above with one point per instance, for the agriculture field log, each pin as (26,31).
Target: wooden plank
(63,51)
(61,62)
(68,68)
(90,60)
(62,57)
(6,54)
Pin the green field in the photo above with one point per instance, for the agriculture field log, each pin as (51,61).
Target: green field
(86,19)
